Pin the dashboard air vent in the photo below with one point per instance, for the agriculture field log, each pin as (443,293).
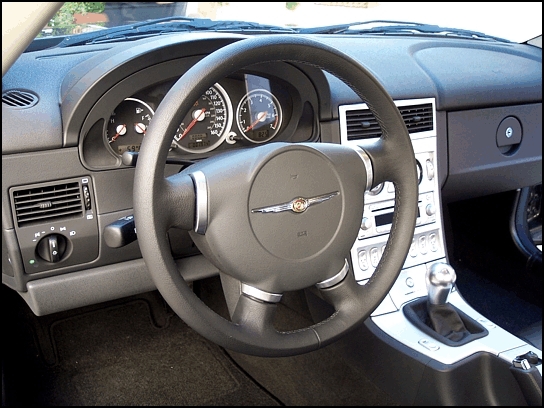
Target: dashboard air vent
(19,99)
(48,202)
(361,123)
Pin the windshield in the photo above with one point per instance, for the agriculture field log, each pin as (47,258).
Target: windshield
(517,22)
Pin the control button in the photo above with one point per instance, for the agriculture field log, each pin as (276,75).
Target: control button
(486,323)
(363,281)
(433,242)
(429,345)
(363,260)
(409,282)
(390,187)
(413,249)
(86,197)
(430,210)
(366,223)
(376,190)
(422,242)
(430,169)
(374,257)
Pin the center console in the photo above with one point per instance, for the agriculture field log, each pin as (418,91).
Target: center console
(427,249)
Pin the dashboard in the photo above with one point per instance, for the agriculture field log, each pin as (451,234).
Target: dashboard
(76,136)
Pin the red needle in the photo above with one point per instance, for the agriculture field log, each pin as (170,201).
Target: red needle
(141,127)
(114,138)
(193,122)
(259,117)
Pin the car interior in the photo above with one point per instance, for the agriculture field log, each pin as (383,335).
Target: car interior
(337,220)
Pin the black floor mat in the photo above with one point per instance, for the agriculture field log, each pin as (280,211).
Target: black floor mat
(116,355)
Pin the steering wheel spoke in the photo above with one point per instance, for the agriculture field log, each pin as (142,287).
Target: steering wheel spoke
(255,316)
(179,201)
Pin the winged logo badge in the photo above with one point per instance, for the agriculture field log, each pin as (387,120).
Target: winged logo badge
(297,205)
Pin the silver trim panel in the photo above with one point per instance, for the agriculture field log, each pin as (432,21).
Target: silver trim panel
(259,294)
(368,166)
(201,207)
(339,277)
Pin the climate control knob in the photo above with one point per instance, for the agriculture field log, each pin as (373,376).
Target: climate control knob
(430,210)
(366,224)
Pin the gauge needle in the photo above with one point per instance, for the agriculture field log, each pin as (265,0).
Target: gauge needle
(198,117)
(121,130)
(260,118)
(139,128)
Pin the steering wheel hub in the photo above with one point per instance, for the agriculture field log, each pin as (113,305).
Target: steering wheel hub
(295,204)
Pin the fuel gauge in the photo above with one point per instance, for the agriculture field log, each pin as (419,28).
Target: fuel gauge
(259,116)
(127,125)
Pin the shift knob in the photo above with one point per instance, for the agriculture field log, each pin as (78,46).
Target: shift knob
(440,279)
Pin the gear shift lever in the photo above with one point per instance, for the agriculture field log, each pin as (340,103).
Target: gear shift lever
(443,317)
(438,318)
(440,279)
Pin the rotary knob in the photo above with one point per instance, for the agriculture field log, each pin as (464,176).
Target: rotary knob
(366,224)
(52,248)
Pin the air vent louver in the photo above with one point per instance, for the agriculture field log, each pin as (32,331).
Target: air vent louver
(19,99)
(47,203)
(361,123)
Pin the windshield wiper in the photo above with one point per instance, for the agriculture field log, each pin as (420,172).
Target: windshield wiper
(168,25)
(399,27)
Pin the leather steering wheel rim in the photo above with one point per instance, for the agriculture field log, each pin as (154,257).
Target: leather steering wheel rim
(161,203)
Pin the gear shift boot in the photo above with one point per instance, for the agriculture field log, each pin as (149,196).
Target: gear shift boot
(458,327)
(436,317)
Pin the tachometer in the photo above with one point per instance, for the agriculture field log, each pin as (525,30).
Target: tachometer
(127,125)
(259,116)
(205,127)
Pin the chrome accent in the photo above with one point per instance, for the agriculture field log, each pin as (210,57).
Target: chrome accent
(259,294)
(339,277)
(440,278)
(368,166)
(297,205)
(201,207)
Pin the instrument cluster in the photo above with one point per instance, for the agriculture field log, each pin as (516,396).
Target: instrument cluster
(242,110)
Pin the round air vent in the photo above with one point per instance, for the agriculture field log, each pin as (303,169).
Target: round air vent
(19,99)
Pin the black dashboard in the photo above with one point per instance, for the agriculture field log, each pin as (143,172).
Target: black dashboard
(91,104)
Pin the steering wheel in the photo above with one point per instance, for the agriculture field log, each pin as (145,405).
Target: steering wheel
(278,217)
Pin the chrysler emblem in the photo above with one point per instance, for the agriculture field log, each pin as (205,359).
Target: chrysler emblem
(297,205)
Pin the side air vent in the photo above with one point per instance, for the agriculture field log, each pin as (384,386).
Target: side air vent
(19,99)
(361,123)
(47,203)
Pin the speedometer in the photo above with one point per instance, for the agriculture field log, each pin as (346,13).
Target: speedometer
(205,127)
